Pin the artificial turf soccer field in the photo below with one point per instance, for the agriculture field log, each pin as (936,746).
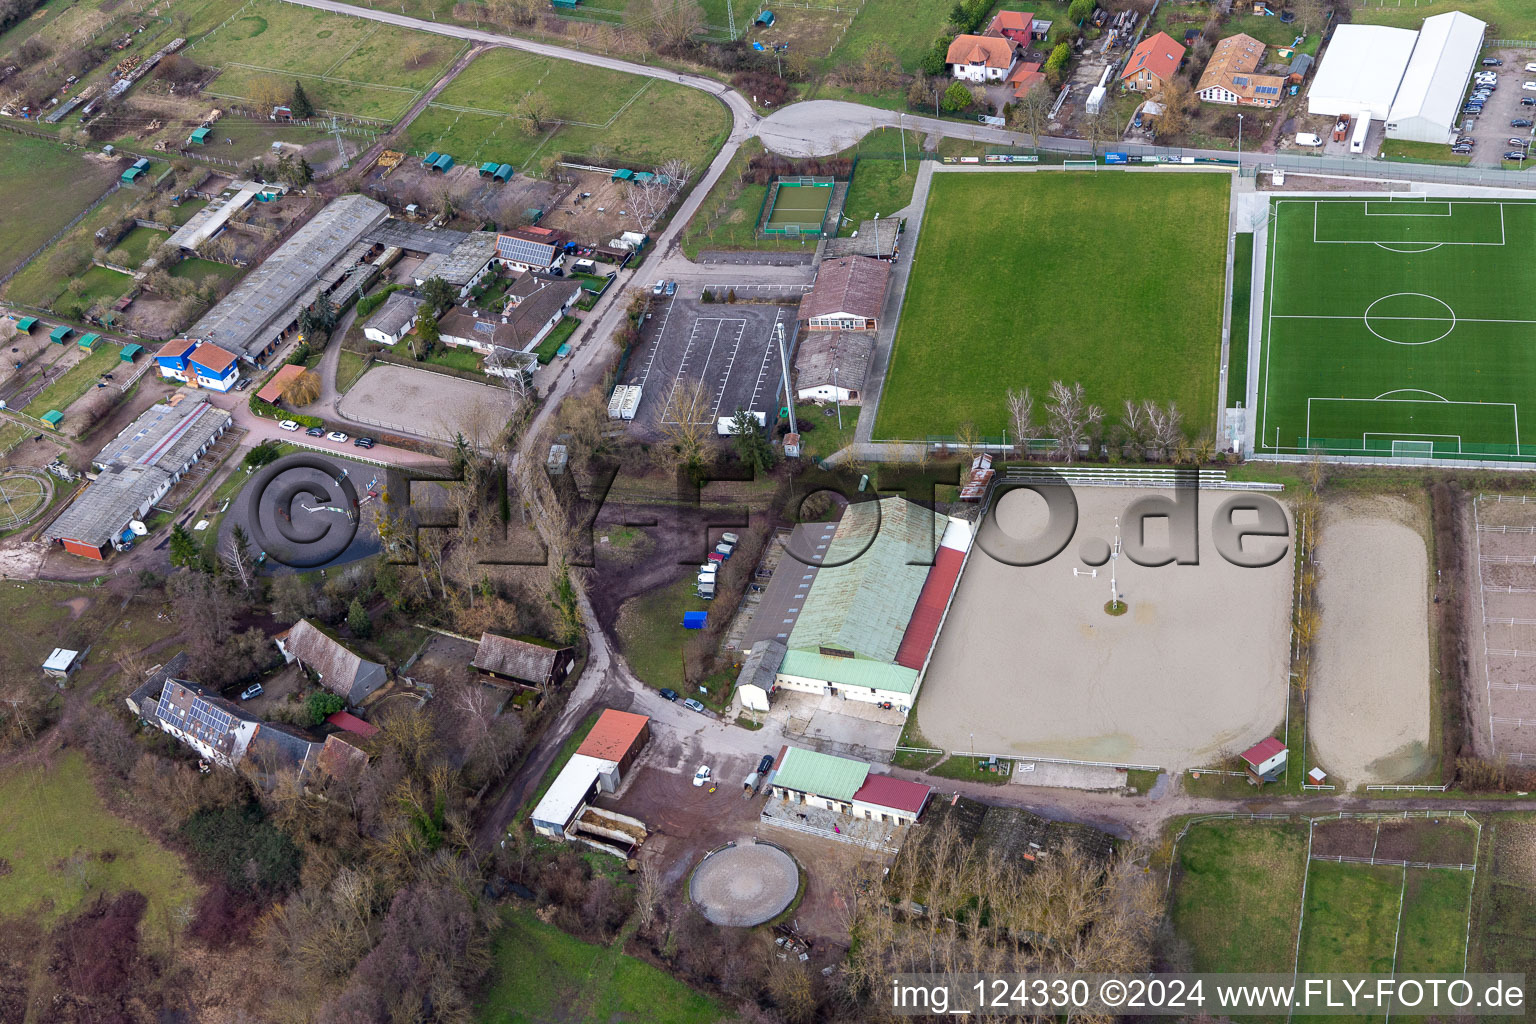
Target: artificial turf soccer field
(1398,328)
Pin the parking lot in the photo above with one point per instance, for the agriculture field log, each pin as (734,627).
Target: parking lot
(1491,130)
(730,347)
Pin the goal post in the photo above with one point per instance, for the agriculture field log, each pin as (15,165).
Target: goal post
(1413,449)
(1079,165)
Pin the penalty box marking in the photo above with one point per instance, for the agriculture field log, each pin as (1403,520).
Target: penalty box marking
(1503,235)
(1514,412)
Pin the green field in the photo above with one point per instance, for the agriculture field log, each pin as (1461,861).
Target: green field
(195,268)
(992,306)
(1242,296)
(347,65)
(140,243)
(1507,19)
(879,188)
(1237,893)
(42,185)
(1505,914)
(1434,925)
(61,846)
(543,975)
(1397,328)
(651,634)
(607,115)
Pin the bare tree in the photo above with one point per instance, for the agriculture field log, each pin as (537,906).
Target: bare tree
(1030,112)
(1072,419)
(535,112)
(1101,127)
(647,893)
(649,199)
(1175,98)
(687,426)
(1165,428)
(674,22)
(1021,417)
(303,389)
(236,556)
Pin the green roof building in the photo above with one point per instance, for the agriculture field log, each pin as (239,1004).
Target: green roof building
(200,137)
(833,779)
(53,417)
(26,323)
(88,341)
(130,353)
(60,333)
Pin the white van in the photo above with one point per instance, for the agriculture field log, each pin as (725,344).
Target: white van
(1308,139)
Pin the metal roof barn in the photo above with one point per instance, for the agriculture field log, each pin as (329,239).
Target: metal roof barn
(1361,71)
(1429,99)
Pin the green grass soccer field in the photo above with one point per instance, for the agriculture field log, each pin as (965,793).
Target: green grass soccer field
(1398,328)
(1112,279)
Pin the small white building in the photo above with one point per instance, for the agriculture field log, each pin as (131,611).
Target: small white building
(1361,70)
(62,663)
(845,786)
(980,59)
(393,320)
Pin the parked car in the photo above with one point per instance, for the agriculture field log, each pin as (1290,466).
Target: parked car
(1529,87)
(315,431)
(1461,150)
(659,288)
(363,442)
(693,705)
(1520,122)
(245,382)
(288,425)
(1516,154)
(1528,101)
(765,763)
(668,694)
(337,436)
(1530,67)
(1464,140)
(671,287)
(1522,143)
(1494,62)
(701,777)
(254,690)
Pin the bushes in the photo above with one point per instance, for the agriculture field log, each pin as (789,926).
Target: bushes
(369,304)
(239,845)
(1056,63)
(957,98)
(322,704)
(768,89)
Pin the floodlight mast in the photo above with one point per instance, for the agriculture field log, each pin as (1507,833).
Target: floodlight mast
(789,396)
(1114,561)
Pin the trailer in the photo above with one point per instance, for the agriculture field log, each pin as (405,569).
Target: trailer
(631,403)
(616,401)
(1362,128)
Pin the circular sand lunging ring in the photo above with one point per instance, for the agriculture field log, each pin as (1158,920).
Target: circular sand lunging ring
(745,883)
(24,493)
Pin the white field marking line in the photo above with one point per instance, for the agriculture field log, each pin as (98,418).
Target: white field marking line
(688,354)
(1401,893)
(1435,319)
(1409,391)
(1514,412)
(1416,205)
(725,376)
(1269,323)
(1301,915)
(661,332)
(1398,439)
(1477,850)
(324,78)
(1392,247)
(763,371)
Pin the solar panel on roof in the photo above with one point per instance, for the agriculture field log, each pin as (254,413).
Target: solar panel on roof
(485,328)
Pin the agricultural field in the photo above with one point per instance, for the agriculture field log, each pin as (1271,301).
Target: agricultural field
(1507,19)
(77,380)
(43,185)
(40,282)
(1237,893)
(580,983)
(1378,339)
(1505,917)
(607,116)
(60,845)
(1066,299)
(347,65)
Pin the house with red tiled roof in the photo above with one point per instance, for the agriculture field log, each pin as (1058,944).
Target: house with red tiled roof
(199,363)
(1026,75)
(1152,64)
(1264,761)
(1014,26)
(1231,75)
(980,58)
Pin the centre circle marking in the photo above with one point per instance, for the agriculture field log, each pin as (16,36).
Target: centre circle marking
(1421,295)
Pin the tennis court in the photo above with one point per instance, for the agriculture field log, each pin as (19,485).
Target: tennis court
(1401,328)
(798,206)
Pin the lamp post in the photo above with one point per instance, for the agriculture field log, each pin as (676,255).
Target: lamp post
(1239,143)
(837,396)
(901,127)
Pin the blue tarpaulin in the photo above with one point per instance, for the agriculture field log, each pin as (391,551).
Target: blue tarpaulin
(694,620)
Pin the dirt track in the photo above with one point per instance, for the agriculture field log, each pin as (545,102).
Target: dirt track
(1368,718)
